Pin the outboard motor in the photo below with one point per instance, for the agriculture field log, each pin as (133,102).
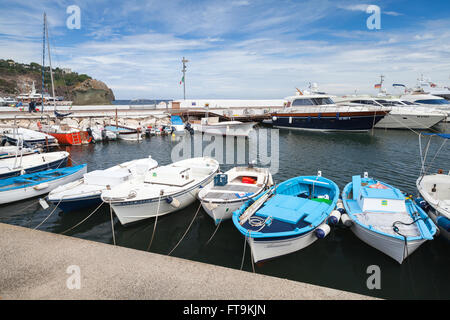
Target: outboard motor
(188,127)
(104,136)
(89,131)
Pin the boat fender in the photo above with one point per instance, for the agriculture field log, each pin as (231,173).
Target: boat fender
(334,217)
(322,231)
(22,172)
(340,205)
(422,203)
(43,203)
(443,222)
(173,202)
(346,220)
(341,210)
(41,186)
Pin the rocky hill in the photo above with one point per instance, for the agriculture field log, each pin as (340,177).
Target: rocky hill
(16,78)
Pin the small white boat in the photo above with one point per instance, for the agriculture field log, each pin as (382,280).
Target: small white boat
(19,165)
(435,192)
(221,197)
(162,190)
(212,126)
(86,192)
(13,151)
(29,137)
(38,183)
(381,216)
(126,133)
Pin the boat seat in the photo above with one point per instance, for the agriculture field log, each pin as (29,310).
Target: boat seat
(354,206)
(291,209)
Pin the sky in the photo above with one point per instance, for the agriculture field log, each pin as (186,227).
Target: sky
(237,49)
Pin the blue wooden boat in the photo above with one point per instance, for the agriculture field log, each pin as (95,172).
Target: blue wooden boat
(288,217)
(384,218)
(35,184)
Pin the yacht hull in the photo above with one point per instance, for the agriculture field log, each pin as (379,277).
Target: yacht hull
(399,121)
(345,121)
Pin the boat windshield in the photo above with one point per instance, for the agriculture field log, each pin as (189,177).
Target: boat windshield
(434,101)
(408,103)
(312,102)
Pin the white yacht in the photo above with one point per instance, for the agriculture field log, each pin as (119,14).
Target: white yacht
(431,102)
(403,115)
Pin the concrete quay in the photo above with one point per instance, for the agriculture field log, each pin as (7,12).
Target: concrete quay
(35,264)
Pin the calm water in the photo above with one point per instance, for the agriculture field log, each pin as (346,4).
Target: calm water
(339,261)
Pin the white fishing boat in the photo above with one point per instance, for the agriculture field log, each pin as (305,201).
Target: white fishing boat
(29,137)
(212,125)
(38,183)
(384,218)
(435,192)
(19,165)
(161,190)
(126,133)
(86,192)
(230,190)
(14,151)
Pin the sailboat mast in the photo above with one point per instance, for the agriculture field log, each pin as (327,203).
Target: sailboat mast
(43,66)
(50,61)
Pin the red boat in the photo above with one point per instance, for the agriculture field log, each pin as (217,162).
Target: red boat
(66,135)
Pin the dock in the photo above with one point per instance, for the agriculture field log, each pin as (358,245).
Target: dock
(34,265)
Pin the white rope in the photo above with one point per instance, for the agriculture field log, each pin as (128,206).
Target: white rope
(83,219)
(156,221)
(243,254)
(186,229)
(217,227)
(112,223)
(54,209)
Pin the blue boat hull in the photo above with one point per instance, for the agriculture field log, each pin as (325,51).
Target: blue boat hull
(46,166)
(77,204)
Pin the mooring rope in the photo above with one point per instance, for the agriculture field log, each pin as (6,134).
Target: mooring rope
(195,215)
(54,209)
(243,254)
(217,228)
(112,223)
(156,221)
(83,219)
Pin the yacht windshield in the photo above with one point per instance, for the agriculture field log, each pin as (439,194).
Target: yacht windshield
(322,101)
(408,103)
(434,101)
(302,102)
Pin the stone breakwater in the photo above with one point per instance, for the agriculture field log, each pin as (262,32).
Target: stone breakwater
(86,122)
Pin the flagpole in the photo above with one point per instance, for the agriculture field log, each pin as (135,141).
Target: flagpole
(184,61)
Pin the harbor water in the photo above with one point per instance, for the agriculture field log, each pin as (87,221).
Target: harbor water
(339,261)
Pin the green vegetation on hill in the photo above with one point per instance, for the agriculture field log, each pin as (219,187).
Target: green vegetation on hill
(60,78)
(16,78)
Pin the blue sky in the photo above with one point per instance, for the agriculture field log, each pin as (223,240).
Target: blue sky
(248,49)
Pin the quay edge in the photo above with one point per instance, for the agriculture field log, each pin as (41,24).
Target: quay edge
(34,266)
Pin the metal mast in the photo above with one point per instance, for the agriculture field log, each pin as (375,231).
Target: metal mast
(43,66)
(184,61)
(381,82)
(50,62)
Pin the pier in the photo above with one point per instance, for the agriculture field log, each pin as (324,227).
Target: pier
(34,265)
